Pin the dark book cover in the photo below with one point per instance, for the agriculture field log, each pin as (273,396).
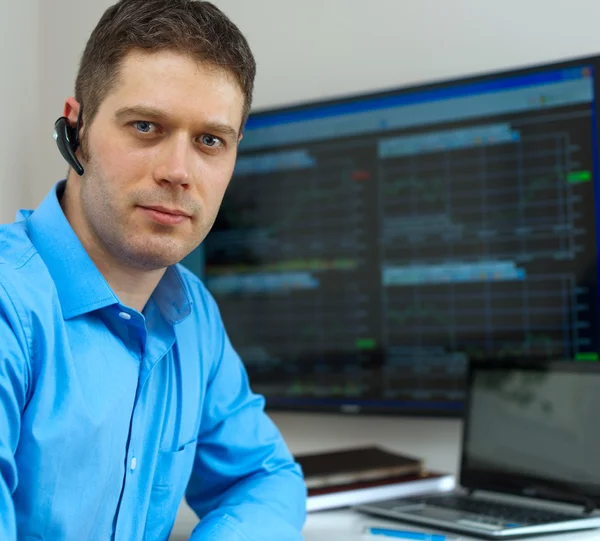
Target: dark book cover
(341,467)
(361,485)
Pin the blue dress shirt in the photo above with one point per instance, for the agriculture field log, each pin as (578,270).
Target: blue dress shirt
(108,416)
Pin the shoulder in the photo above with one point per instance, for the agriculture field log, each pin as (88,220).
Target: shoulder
(20,291)
(22,269)
(26,287)
(15,246)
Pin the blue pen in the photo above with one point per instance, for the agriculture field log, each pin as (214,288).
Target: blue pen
(405,534)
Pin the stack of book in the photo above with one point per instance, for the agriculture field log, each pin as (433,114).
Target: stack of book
(366,474)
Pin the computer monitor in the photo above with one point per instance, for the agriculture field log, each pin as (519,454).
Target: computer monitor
(368,246)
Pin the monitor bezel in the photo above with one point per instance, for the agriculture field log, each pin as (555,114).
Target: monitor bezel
(425,86)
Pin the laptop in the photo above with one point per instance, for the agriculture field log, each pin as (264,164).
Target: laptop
(530,461)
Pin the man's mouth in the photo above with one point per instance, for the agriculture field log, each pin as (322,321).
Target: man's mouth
(165,215)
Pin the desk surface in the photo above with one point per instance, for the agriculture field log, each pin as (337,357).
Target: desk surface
(347,525)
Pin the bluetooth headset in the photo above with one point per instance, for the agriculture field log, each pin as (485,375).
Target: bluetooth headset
(67,140)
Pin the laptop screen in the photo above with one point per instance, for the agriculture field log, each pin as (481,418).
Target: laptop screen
(533,429)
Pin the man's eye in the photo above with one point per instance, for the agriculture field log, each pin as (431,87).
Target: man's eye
(211,140)
(142,126)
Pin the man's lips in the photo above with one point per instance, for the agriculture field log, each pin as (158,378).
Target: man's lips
(167,210)
(165,215)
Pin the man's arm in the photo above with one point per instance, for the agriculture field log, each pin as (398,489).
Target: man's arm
(13,384)
(245,485)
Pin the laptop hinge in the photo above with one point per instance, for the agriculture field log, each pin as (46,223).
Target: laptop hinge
(563,494)
(589,505)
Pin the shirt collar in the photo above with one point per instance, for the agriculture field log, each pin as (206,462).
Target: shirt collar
(172,296)
(80,285)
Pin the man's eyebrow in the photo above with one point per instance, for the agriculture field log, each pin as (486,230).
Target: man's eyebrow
(143,111)
(222,129)
(140,110)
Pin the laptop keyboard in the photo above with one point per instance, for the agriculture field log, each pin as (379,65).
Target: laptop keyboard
(510,515)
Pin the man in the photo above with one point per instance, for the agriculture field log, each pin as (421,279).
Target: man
(119,388)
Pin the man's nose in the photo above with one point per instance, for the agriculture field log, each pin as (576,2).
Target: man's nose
(174,162)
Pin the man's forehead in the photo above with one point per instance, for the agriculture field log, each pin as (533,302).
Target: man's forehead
(136,62)
(161,79)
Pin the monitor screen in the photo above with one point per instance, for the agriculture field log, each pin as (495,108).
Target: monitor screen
(533,429)
(368,246)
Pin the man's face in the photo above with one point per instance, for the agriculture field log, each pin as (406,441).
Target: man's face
(159,156)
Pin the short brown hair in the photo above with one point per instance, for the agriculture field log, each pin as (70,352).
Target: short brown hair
(191,27)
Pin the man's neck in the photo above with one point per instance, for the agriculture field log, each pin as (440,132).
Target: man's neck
(132,286)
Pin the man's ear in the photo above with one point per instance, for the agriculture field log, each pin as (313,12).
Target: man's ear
(71,110)
(66,134)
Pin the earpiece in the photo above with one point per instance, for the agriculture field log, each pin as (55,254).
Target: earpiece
(67,140)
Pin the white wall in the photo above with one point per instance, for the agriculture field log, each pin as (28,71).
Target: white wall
(305,50)
(312,48)
(19,94)
(64,29)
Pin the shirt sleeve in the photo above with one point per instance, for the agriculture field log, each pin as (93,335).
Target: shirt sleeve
(245,485)
(13,390)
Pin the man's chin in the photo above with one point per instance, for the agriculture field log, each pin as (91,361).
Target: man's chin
(152,260)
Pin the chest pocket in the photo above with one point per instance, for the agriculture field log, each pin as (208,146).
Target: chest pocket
(173,469)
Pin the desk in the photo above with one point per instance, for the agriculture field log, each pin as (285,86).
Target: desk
(347,525)
(436,440)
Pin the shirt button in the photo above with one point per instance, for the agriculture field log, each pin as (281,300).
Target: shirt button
(125,316)
(133,463)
